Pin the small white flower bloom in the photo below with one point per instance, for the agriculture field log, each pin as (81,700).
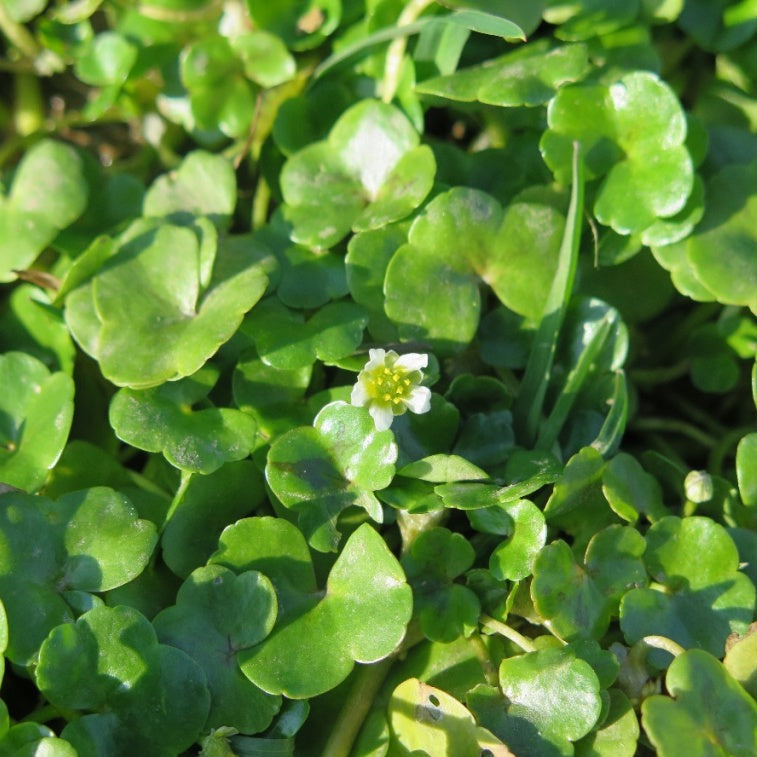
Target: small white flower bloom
(389,385)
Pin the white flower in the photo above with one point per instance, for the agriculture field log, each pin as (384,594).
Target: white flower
(389,385)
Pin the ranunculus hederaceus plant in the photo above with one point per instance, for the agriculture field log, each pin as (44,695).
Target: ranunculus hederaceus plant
(378,378)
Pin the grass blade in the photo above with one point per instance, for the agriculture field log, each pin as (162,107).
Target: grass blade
(533,388)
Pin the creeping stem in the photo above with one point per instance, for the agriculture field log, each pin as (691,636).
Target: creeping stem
(396,51)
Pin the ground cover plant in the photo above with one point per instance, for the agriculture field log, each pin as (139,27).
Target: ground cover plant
(378,378)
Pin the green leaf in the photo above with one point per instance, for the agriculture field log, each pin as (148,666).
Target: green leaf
(321,470)
(106,59)
(216,615)
(361,616)
(703,597)
(552,689)
(302,24)
(272,396)
(648,172)
(577,504)
(334,332)
(155,696)
(87,541)
(36,410)
(209,503)
(618,734)
(529,76)
(156,276)
(264,57)
(427,720)
(709,712)
(203,185)
(369,172)
(565,594)
(442,469)
(529,404)
(49,192)
(446,610)
(741,660)
(33,738)
(718,251)
(30,324)
(448,316)
(196,441)
(630,490)
(513,559)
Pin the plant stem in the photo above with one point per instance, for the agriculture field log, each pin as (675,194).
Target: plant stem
(366,684)
(18,34)
(368,680)
(178,497)
(671,425)
(664,643)
(509,633)
(396,52)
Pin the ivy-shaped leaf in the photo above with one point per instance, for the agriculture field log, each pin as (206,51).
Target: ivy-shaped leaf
(217,614)
(49,192)
(369,172)
(548,699)
(361,614)
(319,471)
(86,541)
(446,610)
(704,596)
(146,697)
(719,249)
(162,420)
(284,340)
(427,720)
(647,173)
(36,410)
(161,275)
(432,282)
(528,76)
(203,185)
(707,710)
(577,600)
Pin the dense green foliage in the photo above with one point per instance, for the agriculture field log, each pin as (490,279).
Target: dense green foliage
(239,240)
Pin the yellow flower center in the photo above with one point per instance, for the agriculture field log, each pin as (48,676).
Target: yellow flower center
(389,386)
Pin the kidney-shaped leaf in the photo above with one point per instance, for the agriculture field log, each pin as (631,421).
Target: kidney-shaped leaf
(709,712)
(427,720)
(432,283)
(721,249)
(446,610)
(647,172)
(90,540)
(36,409)
(146,316)
(203,185)
(705,596)
(198,441)
(361,616)
(49,192)
(150,698)
(529,76)
(369,172)
(216,615)
(321,470)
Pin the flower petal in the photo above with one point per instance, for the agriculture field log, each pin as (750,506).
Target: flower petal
(376,358)
(382,416)
(412,361)
(359,395)
(419,399)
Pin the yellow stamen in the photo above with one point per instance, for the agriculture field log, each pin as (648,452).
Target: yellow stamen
(387,397)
